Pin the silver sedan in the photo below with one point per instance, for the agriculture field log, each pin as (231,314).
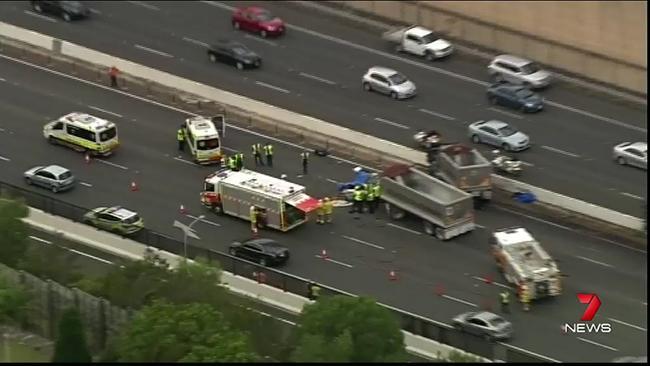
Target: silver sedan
(499,134)
(53,177)
(485,324)
(388,81)
(635,154)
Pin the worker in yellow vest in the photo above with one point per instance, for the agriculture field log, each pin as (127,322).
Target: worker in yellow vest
(180,136)
(525,297)
(320,213)
(328,207)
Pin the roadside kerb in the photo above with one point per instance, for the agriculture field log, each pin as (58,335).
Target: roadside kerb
(308,130)
(125,248)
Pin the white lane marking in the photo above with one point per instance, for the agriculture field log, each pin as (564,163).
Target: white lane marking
(272,87)
(86,184)
(90,256)
(112,164)
(492,282)
(404,228)
(628,324)
(334,261)
(199,43)
(4,159)
(39,16)
(362,242)
(160,53)
(183,161)
(317,78)
(598,344)
(41,240)
(1,79)
(378,119)
(331,181)
(105,111)
(479,226)
(266,41)
(568,228)
(143,4)
(191,114)
(594,261)
(2,130)
(460,300)
(550,148)
(204,221)
(271,316)
(95,11)
(598,117)
(527,163)
(513,115)
(229,149)
(444,116)
(632,196)
(529,352)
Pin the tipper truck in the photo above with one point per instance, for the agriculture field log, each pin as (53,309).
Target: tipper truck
(446,211)
(524,262)
(465,168)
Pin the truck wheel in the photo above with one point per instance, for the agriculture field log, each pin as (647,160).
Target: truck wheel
(429,56)
(429,228)
(213,58)
(440,235)
(263,262)
(216,208)
(394,212)
(52,140)
(233,252)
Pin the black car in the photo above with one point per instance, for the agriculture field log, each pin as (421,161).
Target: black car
(68,10)
(515,96)
(234,53)
(262,251)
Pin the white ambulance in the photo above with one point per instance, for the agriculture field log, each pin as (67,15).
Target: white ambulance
(282,205)
(203,138)
(84,133)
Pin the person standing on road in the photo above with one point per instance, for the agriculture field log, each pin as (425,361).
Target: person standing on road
(112,74)
(328,207)
(257,154)
(370,198)
(305,161)
(320,213)
(268,152)
(376,190)
(240,161)
(505,301)
(313,291)
(180,136)
(358,197)
(525,297)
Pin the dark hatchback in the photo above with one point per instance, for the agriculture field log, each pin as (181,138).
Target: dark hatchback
(263,251)
(516,97)
(234,53)
(68,10)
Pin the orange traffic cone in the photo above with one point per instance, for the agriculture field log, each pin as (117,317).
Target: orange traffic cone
(183,210)
(134,186)
(392,275)
(323,254)
(87,158)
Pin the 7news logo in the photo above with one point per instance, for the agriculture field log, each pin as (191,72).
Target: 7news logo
(593,304)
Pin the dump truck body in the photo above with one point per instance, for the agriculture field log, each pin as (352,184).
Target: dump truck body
(466,169)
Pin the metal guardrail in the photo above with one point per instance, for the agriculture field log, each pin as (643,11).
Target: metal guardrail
(412,323)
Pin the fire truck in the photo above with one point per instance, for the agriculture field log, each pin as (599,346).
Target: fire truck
(280,204)
(524,262)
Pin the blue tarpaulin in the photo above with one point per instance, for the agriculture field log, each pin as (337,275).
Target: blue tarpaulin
(525,197)
(361,178)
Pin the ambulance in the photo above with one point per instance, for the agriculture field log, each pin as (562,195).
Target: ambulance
(281,205)
(84,133)
(203,138)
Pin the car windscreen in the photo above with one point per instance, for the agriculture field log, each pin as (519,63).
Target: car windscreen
(507,131)
(207,144)
(108,134)
(241,50)
(524,93)
(65,175)
(497,321)
(530,68)
(131,220)
(265,16)
(397,79)
(430,37)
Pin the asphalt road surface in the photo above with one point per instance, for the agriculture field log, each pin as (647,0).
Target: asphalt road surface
(362,251)
(316,69)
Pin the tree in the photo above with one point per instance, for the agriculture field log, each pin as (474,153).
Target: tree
(49,262)
(164,332)
(13,303)
(71,341)
(13,231)
(348,329)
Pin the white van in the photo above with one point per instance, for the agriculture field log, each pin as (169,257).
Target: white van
(84,133)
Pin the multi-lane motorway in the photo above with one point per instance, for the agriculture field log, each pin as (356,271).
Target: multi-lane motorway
(316,69)
(362,251)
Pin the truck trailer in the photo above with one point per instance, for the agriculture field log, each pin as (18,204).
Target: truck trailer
(464,168)
(445,211)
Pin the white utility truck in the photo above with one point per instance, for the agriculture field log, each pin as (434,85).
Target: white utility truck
(419,41)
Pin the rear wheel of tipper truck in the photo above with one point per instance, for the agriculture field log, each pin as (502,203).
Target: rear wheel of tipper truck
(440,234)
(429,228)
(395,212)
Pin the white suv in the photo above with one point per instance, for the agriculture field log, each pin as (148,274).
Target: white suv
(516,70)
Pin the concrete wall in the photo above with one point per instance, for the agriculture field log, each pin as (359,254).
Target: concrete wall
(601,40)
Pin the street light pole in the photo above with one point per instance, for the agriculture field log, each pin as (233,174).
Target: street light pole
(185,235)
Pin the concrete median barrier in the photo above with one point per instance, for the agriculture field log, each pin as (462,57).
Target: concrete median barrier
(307,131)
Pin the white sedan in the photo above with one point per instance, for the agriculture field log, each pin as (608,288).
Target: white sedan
(635,154)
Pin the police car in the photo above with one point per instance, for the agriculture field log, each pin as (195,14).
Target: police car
(83,132)
(115,219)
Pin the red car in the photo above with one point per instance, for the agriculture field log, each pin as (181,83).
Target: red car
(258,20)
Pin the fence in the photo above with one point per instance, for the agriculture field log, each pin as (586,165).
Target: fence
(49,299)
(413,323)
